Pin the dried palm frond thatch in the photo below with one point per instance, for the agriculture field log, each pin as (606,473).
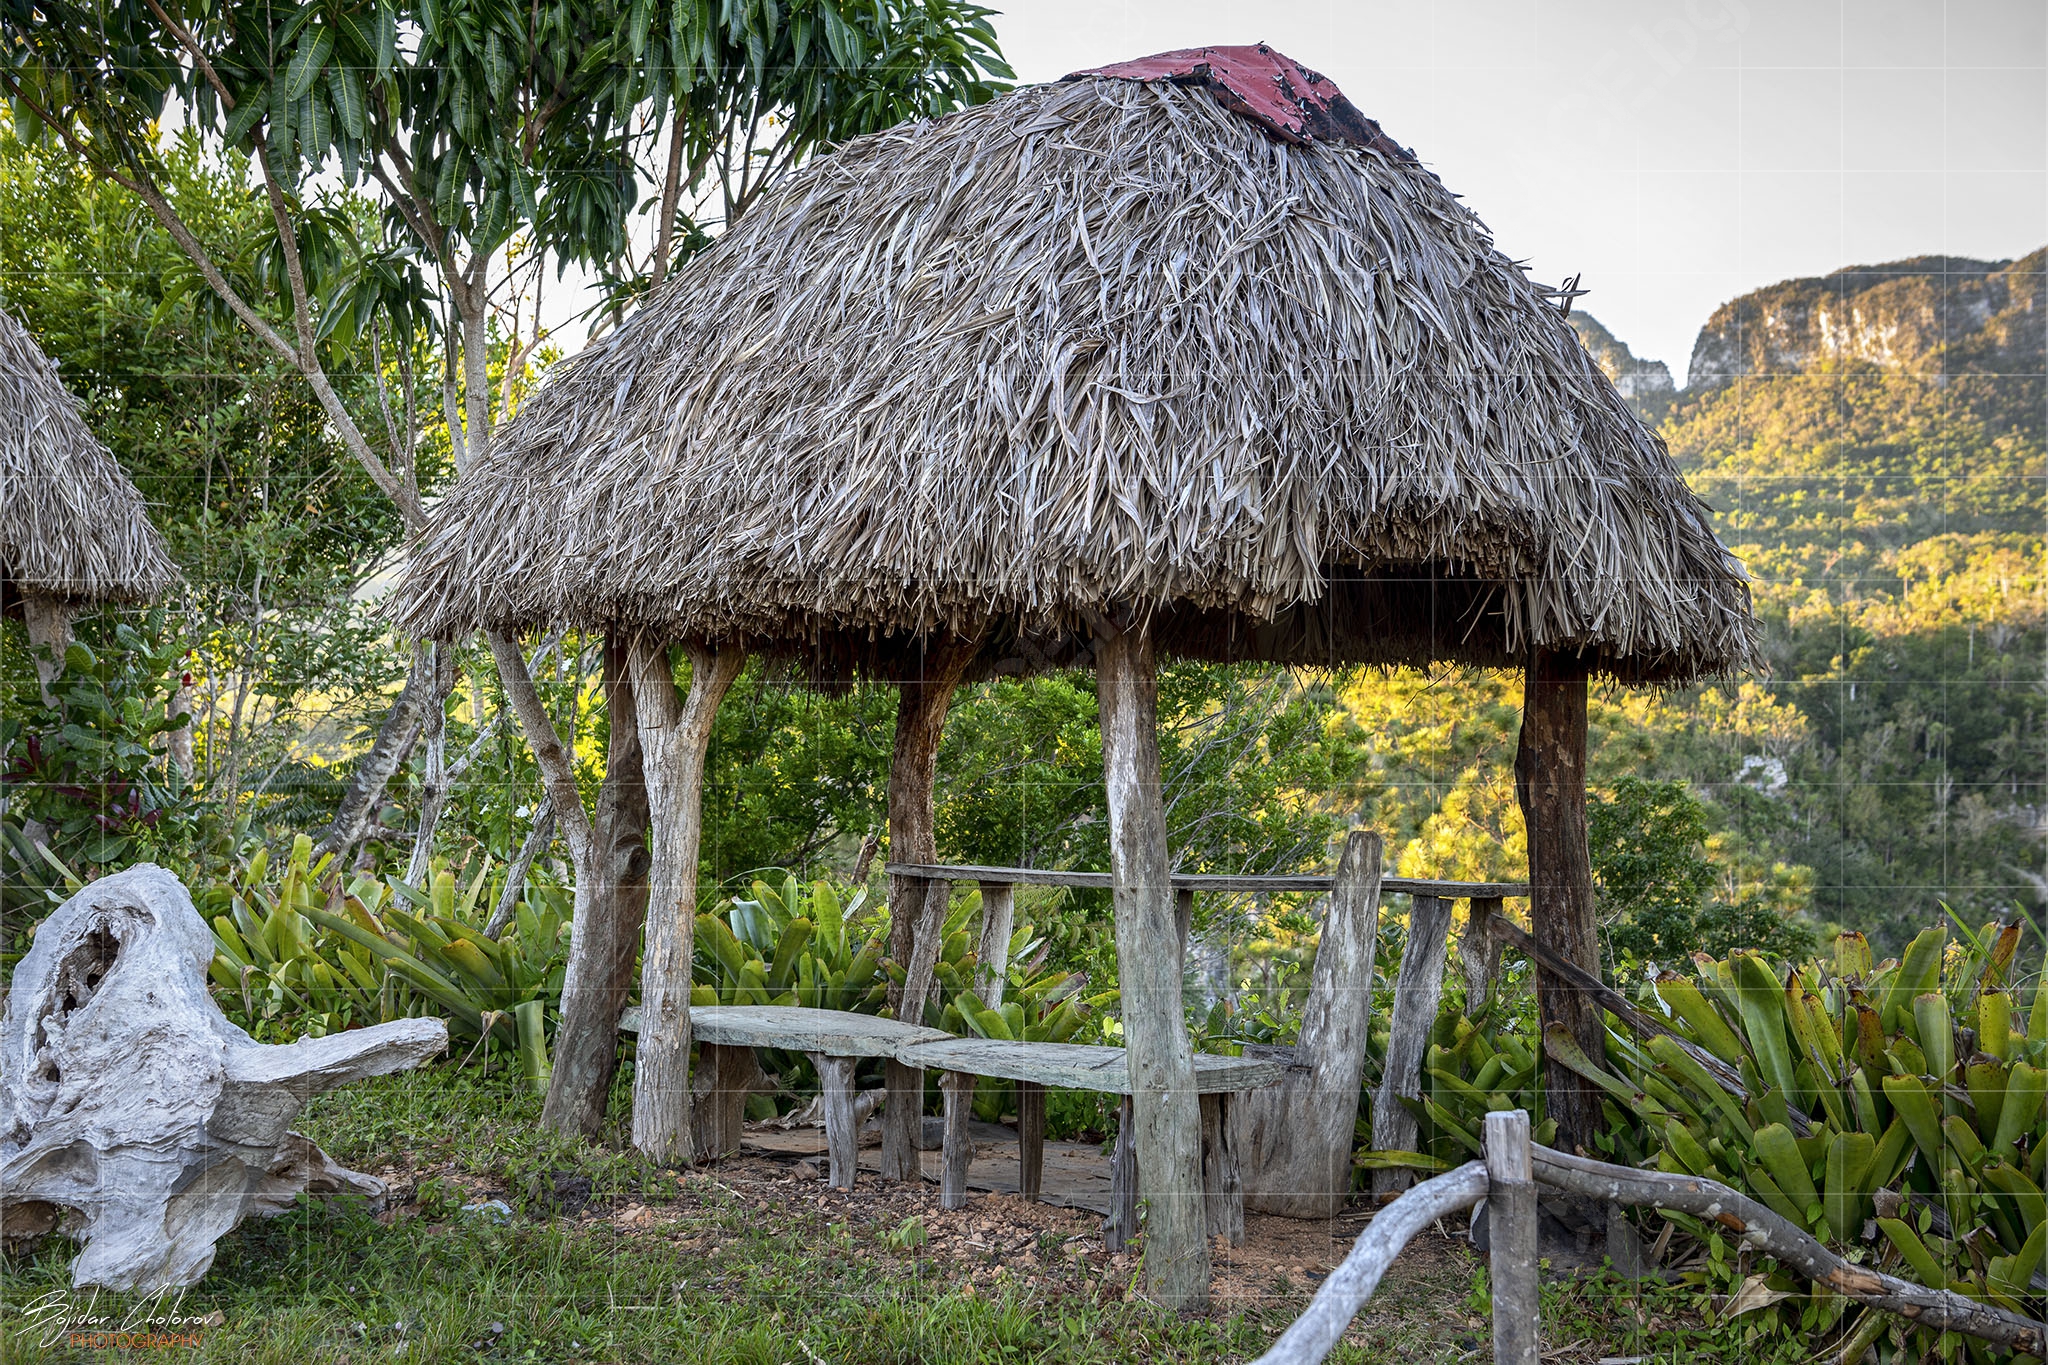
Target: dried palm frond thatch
(72,526)
(1102,343)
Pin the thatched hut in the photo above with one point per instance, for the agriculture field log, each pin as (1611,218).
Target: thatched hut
(72,528)
(1185,356)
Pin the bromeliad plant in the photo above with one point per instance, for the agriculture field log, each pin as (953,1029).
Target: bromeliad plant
(310,955)
(812,945)
(792,945)
(1895,1110)
(1037,1006)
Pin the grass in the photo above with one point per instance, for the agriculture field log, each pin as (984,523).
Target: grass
(699,1268)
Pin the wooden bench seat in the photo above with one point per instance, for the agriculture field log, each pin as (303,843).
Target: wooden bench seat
(835,1040)
(1077,1066)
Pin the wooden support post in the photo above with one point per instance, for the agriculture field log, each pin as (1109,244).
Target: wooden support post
(1479,956)
(998,922)
(1550,784)
(1030,1139)
(1122,1224)
(958,1089)
(674,734)
(1511,1238)
(726,1076)
(842,1126)
(605,938)
(1165,1115)
(922,700)
(1294,1137)
(1416,993)
(1222,1182)
(1183,920)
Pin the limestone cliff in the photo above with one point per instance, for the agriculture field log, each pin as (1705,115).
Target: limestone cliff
(1932,315)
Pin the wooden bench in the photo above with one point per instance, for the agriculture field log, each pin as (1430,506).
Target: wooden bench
(1076,1066)
(834,1040)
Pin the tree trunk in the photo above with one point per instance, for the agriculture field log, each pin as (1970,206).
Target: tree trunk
(49,627)
(436,779)
(674,734)
(374,770)
(604,942)
(1293,1138)
(1166,1117)
(1550,783)
(538,837)
(913,767)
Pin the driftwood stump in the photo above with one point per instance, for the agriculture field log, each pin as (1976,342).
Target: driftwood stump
(133,1116)
(1293,1138)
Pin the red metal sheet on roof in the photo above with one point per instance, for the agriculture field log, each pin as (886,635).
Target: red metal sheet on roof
(1268,87)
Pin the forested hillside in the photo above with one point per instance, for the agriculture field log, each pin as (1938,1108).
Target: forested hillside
(1872,446)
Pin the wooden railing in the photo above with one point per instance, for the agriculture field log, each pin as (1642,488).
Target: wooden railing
(1200,881)
(1507,1181)
(1417,987)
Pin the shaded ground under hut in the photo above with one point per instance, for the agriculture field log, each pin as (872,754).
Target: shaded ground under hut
(1182,357)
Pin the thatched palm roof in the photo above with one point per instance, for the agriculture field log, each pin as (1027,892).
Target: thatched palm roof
(72,526)
(1099,342)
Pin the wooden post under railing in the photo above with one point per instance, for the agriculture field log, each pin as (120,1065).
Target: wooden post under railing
(1416,993)
(1511,1238)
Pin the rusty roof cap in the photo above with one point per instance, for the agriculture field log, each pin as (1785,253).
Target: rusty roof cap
(1259,83)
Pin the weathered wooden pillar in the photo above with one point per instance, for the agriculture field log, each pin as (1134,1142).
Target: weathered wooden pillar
(1293,1138)
(726,1078)
(1166,1116)
(1417,992)
(842,1129)
(1550,783)
(1030,1139)
(1479,956)
(921,706)
(49,626)
(605,939)
(957,1088)
(1122,1223)
(998,922)
(674,734)
(1511,1238)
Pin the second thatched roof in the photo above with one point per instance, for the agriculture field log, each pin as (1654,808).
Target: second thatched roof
(1104,343)
(72,526)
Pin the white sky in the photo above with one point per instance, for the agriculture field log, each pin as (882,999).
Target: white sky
(1676,152)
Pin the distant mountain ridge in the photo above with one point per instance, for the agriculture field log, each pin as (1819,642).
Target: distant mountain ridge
(1647,383)
(1935,316)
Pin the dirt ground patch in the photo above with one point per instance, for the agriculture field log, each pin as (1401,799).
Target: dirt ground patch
(997,1241)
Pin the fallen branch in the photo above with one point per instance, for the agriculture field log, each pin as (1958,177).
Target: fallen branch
(1759,1227)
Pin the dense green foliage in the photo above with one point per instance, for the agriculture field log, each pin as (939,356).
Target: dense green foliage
(269,519)
(1657,883)
(1894,1110)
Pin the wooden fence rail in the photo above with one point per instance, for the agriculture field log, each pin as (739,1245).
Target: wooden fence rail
(1503,1180)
